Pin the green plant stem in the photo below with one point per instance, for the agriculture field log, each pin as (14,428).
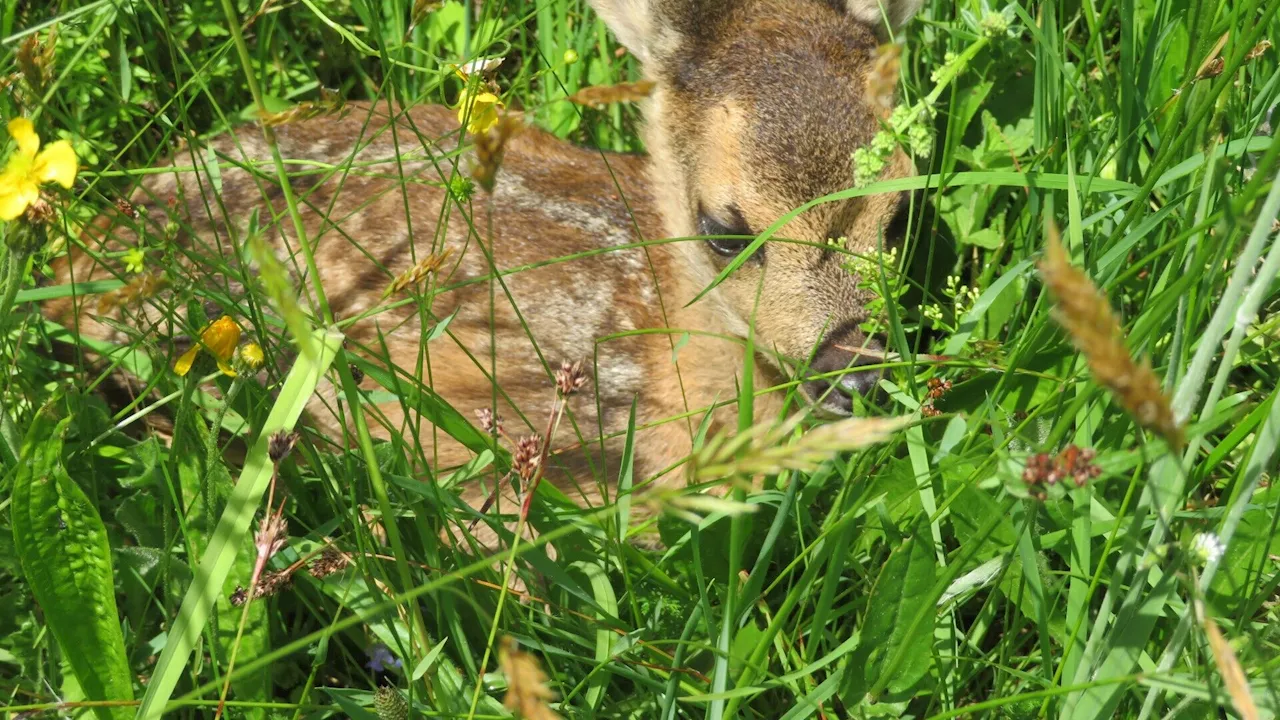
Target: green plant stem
(291,200)
(15,261)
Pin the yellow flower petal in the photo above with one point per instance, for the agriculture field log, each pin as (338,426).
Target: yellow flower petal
(56,163)
(221,338)
(24,133)
(16,197)
(226,368)
(480,110)
(183,366)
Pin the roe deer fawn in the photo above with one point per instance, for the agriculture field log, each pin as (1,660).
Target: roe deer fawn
(757,106)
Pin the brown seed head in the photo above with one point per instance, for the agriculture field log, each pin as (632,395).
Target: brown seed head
(1083,311)
(570,377)
(41,212)
(601,95)
(273,532)
(882,79)
(490,146)
(416,274)
(280,445)
(329,562)
(273,582)
(527,691)
(489,422)
(527,457)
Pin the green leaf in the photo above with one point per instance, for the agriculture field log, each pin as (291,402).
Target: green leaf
(66,559)
(905,582)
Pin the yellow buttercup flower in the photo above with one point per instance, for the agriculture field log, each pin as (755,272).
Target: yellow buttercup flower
(479,110)
(30,167)
(219,338)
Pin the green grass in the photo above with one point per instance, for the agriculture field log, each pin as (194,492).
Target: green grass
(919,577)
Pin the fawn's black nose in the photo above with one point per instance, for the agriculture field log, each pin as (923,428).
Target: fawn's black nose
(837,377)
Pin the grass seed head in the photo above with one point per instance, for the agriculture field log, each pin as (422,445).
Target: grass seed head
(601,95)
(1084,312)
(489,147)
(527,691)
(416,274)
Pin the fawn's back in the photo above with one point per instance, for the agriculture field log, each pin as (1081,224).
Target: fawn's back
(757,108)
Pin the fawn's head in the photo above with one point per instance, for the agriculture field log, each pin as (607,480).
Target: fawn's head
(757,108)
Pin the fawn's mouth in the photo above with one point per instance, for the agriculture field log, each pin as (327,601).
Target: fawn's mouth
(836,375)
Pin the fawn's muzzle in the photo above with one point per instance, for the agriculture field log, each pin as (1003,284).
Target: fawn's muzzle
(836,377)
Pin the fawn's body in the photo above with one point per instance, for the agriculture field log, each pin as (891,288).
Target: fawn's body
(734,145)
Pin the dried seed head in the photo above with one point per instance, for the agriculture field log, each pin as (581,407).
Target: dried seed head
(938,387)
(1234,679)
(527,457)
(491,423)
(280,445)
(490,146)
(329,104)
(416,274)
(601,95)
(570,377)
(126,208)
(40,212)
(527,691)
(273,532)
(882,80)
(273,582)
(1083,311)
(1211,69)
(330,561)
(35,60)
(1043,470)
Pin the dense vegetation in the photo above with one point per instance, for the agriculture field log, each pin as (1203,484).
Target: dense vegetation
(1057,532)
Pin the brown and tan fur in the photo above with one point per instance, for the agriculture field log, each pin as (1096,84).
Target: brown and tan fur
(757,107)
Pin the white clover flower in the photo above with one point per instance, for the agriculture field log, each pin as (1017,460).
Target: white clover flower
(1207,548)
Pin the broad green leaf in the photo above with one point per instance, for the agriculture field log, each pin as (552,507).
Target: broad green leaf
(904,583)
(66,559)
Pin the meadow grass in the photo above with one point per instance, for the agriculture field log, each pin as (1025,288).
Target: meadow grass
(1077,520)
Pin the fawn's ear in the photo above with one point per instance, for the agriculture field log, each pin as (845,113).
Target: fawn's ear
(875,12)
(630,21)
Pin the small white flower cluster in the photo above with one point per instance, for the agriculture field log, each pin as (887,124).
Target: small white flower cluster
(1207,548)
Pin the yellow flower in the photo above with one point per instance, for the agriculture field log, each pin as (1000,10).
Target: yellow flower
(219,338)
(252,356)
(30,167)
(479,110)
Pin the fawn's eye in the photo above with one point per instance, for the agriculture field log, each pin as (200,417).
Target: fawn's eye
(717,230)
